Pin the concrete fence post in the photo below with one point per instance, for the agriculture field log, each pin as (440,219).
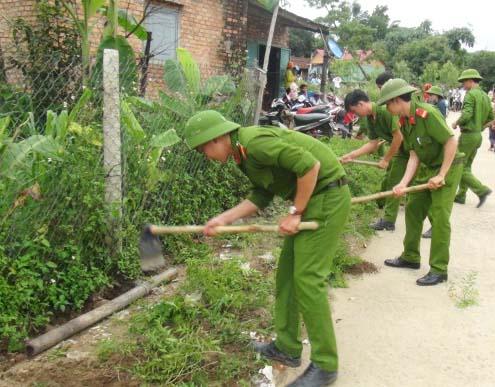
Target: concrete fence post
(112,157)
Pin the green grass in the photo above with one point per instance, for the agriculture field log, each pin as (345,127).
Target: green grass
(199,336)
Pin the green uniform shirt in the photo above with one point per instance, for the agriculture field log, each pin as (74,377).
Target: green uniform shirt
(425,132)
(476,110)
(273,159)
(381,124)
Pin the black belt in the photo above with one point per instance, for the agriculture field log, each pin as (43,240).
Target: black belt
(337,183)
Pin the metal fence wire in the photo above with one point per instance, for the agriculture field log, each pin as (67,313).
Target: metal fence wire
(59,242)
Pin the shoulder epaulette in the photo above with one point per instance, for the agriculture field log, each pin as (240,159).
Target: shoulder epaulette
(421,113)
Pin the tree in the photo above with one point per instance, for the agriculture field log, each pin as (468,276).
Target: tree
(418,53)
(379,21)
(448,75)
(484,62)
(402,70)
(431,73)
(458,36)
(355,35)
(302,43)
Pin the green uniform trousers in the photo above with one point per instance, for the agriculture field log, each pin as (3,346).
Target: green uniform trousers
(469,142)
(301,282)
(395,171)
(438,205)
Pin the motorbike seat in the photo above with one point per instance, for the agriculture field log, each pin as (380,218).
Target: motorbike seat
(302,119)
(313,109)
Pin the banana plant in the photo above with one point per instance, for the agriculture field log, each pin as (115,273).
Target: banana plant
(186,92)
(17,157)
(153,147)
(85,26)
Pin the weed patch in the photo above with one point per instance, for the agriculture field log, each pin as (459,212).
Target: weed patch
(464,294)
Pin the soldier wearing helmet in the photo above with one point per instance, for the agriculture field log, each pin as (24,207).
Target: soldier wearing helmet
(476,112)
(305,171)
(433,158)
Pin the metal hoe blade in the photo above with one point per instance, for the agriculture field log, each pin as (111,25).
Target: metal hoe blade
(150,250)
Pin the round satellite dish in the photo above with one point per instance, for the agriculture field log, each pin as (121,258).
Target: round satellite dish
(335,48)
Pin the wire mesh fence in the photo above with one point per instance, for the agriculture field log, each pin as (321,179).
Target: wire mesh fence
(57,244)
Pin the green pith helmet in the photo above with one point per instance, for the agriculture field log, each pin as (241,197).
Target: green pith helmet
(394,88)
(206,126)
(435,90)
(470,74)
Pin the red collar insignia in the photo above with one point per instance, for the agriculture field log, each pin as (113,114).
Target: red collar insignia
(412,121)
(421,113)
(241,153)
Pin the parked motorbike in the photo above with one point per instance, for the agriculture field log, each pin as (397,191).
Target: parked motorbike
(319,120)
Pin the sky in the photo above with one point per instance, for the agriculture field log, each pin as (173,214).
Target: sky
(478,15)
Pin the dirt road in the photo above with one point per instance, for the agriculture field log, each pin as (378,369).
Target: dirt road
(392,332)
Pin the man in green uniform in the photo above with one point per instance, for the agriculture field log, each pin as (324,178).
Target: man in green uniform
(381,126)
(433,158)
(435,98)
(476,112)
(304,170)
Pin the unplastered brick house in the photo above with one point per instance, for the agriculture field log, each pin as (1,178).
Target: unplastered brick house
(220,34)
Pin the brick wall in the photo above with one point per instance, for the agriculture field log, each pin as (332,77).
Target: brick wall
(234,35)
(259,24)
(10,10)
(214,31)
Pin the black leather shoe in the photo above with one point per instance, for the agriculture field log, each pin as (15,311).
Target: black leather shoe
(460,201)
(431,279)
(483,198)
(399,262)
(270,351)
(314,377)
(383,225)
(427,234)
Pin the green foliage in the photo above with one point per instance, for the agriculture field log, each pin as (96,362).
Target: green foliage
(127,63)
(53,256)
(415,46)
(448,74)
(431,73)
(14,104)
(302,43)
(419,52)
(402,70)
(188,338)
(484,62)
(458,36)
(268,4)
(47,54)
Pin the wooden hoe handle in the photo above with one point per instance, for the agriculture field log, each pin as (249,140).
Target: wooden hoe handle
(366,162)
(161,230)
(386,194)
